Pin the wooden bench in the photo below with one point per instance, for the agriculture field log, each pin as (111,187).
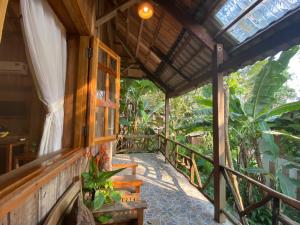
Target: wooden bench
(124,212)
(127,182)
(131,166)
(129,211)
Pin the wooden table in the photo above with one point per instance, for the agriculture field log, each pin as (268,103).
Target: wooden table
(9,143)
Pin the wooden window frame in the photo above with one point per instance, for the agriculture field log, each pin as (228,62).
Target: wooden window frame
(106,102)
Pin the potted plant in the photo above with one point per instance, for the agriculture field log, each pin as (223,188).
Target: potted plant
(97,187)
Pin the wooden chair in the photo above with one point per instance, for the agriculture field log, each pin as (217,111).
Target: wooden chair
(24,157)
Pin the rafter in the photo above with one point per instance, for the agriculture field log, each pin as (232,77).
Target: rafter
(186,63)
(170,52)
(151,76)
(110,15)
(187,22)
(155,34)
(167,61)
(139,37)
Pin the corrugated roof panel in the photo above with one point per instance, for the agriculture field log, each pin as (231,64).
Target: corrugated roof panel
(258,18)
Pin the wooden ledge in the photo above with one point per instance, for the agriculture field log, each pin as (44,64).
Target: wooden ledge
(24,181)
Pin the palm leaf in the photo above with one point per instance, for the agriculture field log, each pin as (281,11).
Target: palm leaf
(268,81)
(278,111)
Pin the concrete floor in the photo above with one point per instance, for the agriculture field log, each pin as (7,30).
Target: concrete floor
(171,199)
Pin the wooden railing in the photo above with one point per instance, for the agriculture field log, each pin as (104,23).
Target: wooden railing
(137,143)
(184,159)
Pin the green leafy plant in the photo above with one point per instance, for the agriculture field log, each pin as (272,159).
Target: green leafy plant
(97,187)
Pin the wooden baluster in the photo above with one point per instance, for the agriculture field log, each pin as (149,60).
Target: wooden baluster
(158,140)
(167,116)
(176,155)
(192,170)
(275,211)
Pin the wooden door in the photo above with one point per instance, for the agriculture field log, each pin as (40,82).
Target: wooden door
(104,94)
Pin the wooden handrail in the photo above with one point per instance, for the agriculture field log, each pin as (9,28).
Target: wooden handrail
(271,194)
(286,199)
(37,173)
(188,148)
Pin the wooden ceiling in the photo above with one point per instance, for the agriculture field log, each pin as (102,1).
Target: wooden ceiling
(174,47)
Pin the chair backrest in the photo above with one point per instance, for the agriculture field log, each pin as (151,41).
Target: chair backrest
(64,205)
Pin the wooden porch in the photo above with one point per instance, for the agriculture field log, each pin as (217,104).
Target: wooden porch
(179,51)
(171,198)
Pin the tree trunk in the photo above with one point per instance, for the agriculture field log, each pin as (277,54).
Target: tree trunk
(259,160)
(229,162)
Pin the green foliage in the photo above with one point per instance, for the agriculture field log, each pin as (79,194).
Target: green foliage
(104,218)
(259,109)
(267,82)
(97,183)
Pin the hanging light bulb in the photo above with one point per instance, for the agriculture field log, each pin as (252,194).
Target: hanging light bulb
(145,10)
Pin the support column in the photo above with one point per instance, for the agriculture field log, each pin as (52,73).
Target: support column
(167,115)
(218,134)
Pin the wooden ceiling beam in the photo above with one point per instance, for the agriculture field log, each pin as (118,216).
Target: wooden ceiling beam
(167,61)
(139,37)
(171,51)
(155,34)
(188,23)
(110,15)
(191,85)
(210,7)
(155,79)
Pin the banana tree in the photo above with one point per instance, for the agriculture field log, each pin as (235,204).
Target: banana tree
(250,114)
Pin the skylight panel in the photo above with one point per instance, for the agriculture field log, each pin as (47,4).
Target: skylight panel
(258,18)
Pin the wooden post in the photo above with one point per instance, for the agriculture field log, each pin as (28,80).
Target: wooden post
(192,172)
(176,155)
(167,114)
(275,211)
(218,134)
(3,7)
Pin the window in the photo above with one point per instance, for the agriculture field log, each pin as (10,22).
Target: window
(258,18)
(104,94)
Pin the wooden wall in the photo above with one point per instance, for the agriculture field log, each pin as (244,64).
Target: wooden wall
(46,190)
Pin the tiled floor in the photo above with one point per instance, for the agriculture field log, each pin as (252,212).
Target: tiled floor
(171,199)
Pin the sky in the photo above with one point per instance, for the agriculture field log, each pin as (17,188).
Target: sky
(294,69)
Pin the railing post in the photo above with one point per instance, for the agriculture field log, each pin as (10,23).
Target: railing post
(275,211)
(218,134)
(192,172)
(158,144)
(176,155)
(167,115)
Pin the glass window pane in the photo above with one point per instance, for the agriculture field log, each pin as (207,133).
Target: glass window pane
(102,57)
(112,88)
(99,124)
(111,121)
(101,84)
(113,64)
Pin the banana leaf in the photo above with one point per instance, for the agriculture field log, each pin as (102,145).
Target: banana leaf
(267,82)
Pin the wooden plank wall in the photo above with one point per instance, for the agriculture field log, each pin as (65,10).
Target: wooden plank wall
(40,202)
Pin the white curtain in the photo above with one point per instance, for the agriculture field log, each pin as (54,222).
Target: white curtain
(45,39)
